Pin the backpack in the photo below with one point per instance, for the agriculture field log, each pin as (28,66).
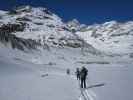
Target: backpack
(83,73)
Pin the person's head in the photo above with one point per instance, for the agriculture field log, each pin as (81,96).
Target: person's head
(77,69)
(83,67)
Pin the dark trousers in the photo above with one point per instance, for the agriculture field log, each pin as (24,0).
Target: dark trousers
(83,82)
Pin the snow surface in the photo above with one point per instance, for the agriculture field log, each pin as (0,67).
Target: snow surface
(24,76)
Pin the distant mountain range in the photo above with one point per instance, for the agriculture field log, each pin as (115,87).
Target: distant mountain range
(27,27)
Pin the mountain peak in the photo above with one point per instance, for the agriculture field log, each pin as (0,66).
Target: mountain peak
(110,23)
(74,22)
(34,10)
(23,8)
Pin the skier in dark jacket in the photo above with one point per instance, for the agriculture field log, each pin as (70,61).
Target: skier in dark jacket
(78,73)
(83,75)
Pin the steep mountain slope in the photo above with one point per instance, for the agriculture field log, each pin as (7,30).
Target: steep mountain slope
(75,25)
(16,42)
(48,29)
(110,37)
(42,26)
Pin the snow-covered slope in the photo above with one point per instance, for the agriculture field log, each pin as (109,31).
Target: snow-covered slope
(75,25)
(111,37)
(39,22)
(42,26)
(45,27)
(42,75)
(21,79)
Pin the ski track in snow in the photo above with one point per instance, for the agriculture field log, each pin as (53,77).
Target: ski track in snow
(85,94)
(91,95)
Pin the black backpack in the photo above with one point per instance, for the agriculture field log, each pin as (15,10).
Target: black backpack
(84,73)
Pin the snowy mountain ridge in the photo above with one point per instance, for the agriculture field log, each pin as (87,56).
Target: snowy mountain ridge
(46,27)
(110,37)
(42,26)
